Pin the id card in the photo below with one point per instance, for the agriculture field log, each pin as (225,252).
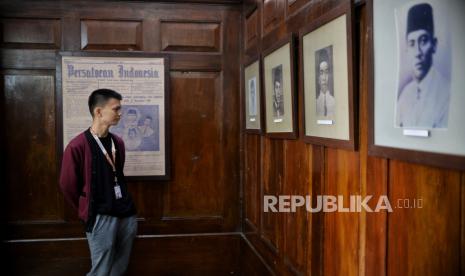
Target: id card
(118,194)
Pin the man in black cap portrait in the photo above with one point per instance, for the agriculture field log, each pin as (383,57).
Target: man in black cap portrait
(424,101)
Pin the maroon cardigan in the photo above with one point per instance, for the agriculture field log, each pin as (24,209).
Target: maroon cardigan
(76,172)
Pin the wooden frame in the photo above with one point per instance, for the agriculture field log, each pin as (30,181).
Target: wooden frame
(324,131)
(290,94)
(166,115)
(449,161)
(259,98)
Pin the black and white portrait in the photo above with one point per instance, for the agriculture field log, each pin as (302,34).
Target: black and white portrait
(278,96)
(424,67)
(252,97)
(325,100)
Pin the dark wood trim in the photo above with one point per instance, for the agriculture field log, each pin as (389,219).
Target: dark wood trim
(346,8)
(317,224)
(249,226)
(447,161)
(290,38)
(59,105)
(250,61)
(249,9)
(255,251)
(216,2)
(274,249)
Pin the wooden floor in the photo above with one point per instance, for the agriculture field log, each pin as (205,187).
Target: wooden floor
(208,254)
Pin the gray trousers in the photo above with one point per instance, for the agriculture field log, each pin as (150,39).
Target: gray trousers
(110,244)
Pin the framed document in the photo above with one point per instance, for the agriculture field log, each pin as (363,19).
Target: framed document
(280,98)
(417,86)
(143,81)
(252,97)
(327,79)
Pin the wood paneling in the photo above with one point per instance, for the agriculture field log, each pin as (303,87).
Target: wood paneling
(423,241)
(197,138)
(203,195)
(195,63)
(426,241)
(157,255)
(187,255)
(294,6)
(251,263)
(252,197)
(190,36)
(340,228)
(273,173)
(273,15)
(251,31)
(30,147)
(111,35)
(27,59)
(31,33)
(297,181)
(373,170)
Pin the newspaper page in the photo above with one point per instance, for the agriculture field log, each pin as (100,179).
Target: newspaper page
(141,82)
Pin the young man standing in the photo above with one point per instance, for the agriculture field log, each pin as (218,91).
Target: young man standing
(92,181)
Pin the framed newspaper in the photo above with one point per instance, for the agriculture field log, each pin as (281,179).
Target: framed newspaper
(416,81)
(143,81)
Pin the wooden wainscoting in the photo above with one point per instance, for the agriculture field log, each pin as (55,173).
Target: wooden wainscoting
(206,254)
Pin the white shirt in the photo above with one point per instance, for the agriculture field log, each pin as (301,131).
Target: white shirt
(330,104)
(424,104)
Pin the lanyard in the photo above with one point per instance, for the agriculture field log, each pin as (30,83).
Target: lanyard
(107,156)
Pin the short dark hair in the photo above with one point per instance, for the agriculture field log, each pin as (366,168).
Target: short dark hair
(100,97)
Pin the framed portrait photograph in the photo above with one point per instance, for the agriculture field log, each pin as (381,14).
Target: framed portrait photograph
(280,98)
(252,96)
(143,82)
(327,79)
(417,84)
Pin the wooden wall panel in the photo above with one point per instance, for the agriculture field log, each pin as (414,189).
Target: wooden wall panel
(30,127)
(251,31)
(424,241)
(212,80)
(203,195)
(197,134)
(251,263)
(252,197)
(297,181)
(294,6)
(111,35)
(190,36)
(31,33)
(273,15)
(405,242)
(340,228)
(373,170)
(27,59)
(272,223)
(156,255)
